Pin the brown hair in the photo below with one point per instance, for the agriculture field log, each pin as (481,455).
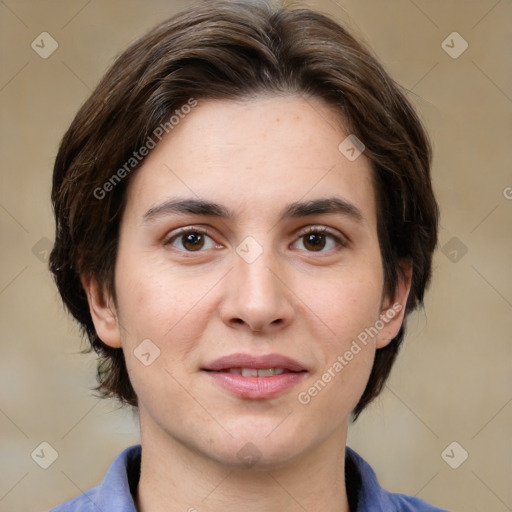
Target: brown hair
(236,50)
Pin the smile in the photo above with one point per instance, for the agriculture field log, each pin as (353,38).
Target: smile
(255,372)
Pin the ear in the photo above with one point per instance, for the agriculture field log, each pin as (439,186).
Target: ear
(393,308)
(103,312)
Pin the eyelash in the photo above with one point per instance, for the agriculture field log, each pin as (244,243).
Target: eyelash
(341,242)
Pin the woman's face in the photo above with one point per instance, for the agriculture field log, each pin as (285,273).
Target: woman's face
(279,268)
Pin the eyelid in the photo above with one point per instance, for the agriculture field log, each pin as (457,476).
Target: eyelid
(341,240)
(169,237)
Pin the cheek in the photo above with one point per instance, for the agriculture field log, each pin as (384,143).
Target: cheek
(347,352)
(347,303)
(168,307)
(338,389)
(161,316)
(152,297)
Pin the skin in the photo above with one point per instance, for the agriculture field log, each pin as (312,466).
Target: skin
(254,157)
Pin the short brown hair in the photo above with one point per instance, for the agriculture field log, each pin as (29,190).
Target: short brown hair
(237,50)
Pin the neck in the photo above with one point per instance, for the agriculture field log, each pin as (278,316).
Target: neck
(174,477)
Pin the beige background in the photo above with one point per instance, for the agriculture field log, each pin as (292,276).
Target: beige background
(453,381)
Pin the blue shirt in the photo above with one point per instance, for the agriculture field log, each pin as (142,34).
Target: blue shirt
(115,493)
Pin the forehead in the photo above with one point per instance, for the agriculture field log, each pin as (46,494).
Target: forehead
(254,156)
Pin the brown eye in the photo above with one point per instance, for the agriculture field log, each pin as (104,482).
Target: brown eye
(314,241)
(191,241)
(321,240)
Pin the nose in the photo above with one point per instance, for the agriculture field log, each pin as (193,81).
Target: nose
(256,296)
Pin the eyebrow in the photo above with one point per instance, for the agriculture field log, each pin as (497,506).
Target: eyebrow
(292,211)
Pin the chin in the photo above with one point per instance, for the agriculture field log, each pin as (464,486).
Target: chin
(257,457)
(256,450)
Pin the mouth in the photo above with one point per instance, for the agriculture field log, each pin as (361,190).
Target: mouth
(256,372)
(266,363)
(255,377)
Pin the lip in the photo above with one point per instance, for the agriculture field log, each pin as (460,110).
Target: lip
(258,362)
(255,387)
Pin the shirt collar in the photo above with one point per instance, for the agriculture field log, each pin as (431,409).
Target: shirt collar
(116,491)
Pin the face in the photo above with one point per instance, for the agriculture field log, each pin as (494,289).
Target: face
(248,270)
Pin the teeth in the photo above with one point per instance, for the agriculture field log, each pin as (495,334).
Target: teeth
(255,372)
(268,372)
